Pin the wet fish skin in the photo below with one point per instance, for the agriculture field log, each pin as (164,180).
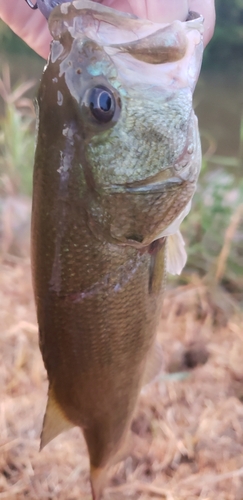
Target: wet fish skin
(46,6)
(103,193)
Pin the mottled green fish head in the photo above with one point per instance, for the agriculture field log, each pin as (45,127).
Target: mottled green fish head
(121,89)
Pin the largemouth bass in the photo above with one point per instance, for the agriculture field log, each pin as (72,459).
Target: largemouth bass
(116,165)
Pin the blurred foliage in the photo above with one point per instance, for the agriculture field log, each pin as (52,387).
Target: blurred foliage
(227,43)
(217,204)
(214,228)
(17,125)
(9,42)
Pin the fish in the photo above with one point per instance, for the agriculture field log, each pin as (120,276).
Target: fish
(47,6)
(116,165)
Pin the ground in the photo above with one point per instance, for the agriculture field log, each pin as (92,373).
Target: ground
(187,434)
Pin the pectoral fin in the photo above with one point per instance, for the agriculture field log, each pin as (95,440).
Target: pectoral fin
(154,364)
(157,271)
(176,253)
(98,479)
(55,422)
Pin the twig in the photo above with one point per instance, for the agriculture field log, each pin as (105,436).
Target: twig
(229,235)
(213,478)
(142,487)
(17,488)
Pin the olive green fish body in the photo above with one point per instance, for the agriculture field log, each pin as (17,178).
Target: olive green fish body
(96,303)
(116,165)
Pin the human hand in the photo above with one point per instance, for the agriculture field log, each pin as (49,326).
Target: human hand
(31,26)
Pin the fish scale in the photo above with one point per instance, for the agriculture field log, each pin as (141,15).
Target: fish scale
(116,166)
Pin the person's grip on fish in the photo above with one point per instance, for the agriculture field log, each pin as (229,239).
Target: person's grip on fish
(32,27)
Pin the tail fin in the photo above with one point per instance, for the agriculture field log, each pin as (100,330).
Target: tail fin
(98,479)
(54,422)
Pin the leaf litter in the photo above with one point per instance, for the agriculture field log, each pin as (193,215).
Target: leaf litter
(186,438)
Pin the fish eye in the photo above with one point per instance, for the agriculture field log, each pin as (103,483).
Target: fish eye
(102,103)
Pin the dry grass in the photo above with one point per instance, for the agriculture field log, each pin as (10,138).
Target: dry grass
(187,439)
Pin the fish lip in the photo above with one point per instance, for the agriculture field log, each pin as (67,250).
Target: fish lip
(65,18)
(85,4)
(192,19)
(195,21)
(46,7)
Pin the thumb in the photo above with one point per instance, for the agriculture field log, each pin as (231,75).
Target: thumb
(27,24)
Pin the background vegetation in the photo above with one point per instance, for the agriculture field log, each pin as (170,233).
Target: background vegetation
(227,44)
(214,229)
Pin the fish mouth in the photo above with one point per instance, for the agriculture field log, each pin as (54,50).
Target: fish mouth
(154,10)
(132,36)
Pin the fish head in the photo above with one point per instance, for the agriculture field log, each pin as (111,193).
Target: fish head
(126,85)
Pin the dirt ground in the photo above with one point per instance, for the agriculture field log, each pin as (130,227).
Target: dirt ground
(187,435)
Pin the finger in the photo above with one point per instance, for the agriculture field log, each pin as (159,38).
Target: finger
(167,11)
(27,24)
(158,10)
(207,9)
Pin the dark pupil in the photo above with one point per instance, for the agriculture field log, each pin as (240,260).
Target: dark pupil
(102,104)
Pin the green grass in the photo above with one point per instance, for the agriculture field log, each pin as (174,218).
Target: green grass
(17,142)
(214,228)
(218,198)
